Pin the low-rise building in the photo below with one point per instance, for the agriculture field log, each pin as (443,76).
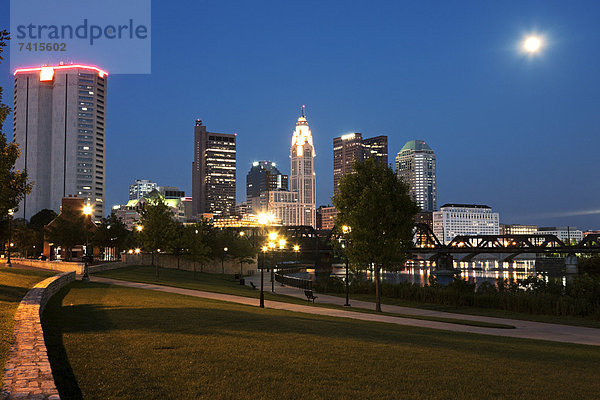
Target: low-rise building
(326,216)
(517,229)
(568,234)
(464,219)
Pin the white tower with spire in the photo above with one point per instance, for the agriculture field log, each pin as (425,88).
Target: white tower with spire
(302,177)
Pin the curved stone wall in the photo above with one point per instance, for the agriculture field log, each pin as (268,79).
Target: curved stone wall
(27,374)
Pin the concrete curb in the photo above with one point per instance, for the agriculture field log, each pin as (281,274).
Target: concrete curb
(27,374)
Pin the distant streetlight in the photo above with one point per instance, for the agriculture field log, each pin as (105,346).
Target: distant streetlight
(87,211)
(296,250)
(140,228)
(10,216)
(346,229)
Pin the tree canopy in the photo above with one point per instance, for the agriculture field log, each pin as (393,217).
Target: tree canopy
(13,183)
(377,207)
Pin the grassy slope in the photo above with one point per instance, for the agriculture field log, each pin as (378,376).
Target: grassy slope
(14,284)
(130,343)
(226,284)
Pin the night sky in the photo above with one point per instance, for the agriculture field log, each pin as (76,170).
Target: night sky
(518,133)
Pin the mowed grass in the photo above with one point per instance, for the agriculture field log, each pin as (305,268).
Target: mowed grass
(14,284)
(125,343)
(219,283)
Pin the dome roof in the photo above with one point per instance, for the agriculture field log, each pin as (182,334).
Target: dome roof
(416,145)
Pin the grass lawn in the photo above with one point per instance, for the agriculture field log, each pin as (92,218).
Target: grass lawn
(125,343)
(226,284)
(14,284)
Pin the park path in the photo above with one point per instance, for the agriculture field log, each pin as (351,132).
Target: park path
(523,329)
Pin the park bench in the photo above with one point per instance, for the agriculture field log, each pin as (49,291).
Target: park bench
(310,296)
(253,285)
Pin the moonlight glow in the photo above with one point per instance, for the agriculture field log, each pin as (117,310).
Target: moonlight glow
(532,44)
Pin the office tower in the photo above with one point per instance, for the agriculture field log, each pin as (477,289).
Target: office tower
(464,219)
(377,148)
(140,188)
(213,172)
(350,148)
(263,177)
(415,165)
(60,127)
(302,177)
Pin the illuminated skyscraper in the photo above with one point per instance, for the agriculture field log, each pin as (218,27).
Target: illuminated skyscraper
(350,148)
(262,178)
(60,126)
(302,177)
(213,172)
(415,165)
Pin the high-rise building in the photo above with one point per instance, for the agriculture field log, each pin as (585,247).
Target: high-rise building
(302,177)
(350,148)
(60,127)
(140,188)
(263,177)
(464,219)
(415,165)
(213,172)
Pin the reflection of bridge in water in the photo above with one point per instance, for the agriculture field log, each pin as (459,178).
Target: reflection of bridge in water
(428,247)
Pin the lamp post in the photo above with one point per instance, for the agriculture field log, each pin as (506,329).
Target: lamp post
(10,215)
(225,249)
(262,278)
(87,211)
(296,250)
(345,230)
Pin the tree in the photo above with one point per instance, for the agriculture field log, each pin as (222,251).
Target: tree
(179,242)
(112,233)
(69,230)
(377,207)
(13,183)
(199,236)
(41,219)
(157,222)
(243,251)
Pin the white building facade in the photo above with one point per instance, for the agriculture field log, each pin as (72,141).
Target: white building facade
(416,166)
(140,188)
(464,219)
(568,234)
(60,127)
(284,206)
(302,177)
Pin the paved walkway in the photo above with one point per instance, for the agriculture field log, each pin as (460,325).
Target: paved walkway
(523,329)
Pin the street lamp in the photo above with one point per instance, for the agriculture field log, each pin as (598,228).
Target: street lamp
(262,278)
(87,211)
(223,260)
(296,250)
(345,230)
(10,215)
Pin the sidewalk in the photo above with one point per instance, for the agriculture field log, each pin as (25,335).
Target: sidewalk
(524,329)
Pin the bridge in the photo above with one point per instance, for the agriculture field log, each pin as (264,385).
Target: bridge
(428,246)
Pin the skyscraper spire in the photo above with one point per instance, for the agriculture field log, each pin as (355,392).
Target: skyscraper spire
(303,112)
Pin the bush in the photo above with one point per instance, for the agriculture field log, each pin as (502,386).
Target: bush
(533,295)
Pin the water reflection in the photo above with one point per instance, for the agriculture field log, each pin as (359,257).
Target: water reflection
(472,271)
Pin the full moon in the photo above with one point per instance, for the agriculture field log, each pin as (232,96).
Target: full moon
(532,44)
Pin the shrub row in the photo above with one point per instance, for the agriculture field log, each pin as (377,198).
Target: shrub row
(578,297)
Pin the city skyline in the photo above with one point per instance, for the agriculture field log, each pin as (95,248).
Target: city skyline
(480,99)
